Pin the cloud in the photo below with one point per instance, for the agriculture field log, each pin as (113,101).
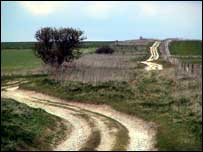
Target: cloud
(168,8)
(100,9)
(148,8)
(94,9)
(40,8)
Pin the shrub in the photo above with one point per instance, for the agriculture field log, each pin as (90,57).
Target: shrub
(104,50)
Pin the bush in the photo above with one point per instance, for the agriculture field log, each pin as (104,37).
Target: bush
(104,50)
(55,46)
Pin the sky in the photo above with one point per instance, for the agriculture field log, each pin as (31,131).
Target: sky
(103,20)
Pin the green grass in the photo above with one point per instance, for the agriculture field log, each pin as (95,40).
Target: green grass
(88,50)
(122,138)
(24,59)
(153,96)
(30,45)
(192,60)
(14,60)
(17,45)
(100,93)
(25,128)
(90,44)
(95,137)
(186,48)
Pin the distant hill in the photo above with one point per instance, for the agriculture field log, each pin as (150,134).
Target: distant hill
(30,45)
(135,42)
(17,45)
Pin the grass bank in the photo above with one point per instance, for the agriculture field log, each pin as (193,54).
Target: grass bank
(25,128)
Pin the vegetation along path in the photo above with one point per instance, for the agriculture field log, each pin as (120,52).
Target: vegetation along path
(93,127)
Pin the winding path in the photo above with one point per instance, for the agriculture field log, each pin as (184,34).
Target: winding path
(89,122)
(153,57)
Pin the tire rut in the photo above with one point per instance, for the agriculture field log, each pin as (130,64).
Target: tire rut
(109,128)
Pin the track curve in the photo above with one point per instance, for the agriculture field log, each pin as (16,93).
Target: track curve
(99,123)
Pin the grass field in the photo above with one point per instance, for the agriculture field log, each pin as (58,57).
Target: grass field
(24,59)
(14,60)
(186,48)
(17,45)
(88,50)
(30,45)
(25,128)
(90,44)
(192,60)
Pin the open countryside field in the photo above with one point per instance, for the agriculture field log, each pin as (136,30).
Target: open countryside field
(157,97)
(186,48)
(13,60)
(101,76)
(189,51)
(192,60)
(17,45)
(16,60)
(18,57)
(30,45)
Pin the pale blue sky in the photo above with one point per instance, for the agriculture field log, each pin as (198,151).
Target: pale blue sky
(103,20)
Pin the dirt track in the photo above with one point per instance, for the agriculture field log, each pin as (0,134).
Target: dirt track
(153,57)
(89,119)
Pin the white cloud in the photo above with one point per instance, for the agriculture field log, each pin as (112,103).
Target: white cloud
(94,9)
(40,7)
(148,8)
(100,9)
(167,8)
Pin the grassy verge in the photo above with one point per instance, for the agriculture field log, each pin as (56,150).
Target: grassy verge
(25,128)
(153,96)
(7,78)
(186,47)
(102,92)
(122,137)
(95,137)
